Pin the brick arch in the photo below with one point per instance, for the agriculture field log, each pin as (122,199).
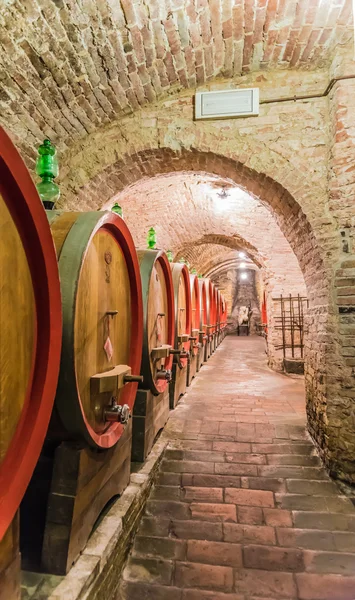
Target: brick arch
(103,188)
(302,216)
(235,242)
(228,264)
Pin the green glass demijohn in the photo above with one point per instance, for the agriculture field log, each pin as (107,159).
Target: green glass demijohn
(47,168)
(151,238)
(117,209)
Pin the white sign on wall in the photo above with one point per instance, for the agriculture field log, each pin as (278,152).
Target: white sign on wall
(227,104)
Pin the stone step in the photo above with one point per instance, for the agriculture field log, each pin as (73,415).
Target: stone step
(314,539)
(309,487)
(293,460)
(292,472)
(288,448)
(331,504)
(324,520)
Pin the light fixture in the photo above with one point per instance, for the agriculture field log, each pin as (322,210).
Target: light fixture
(223,194)
(244,276)
(242,265)
(242,254)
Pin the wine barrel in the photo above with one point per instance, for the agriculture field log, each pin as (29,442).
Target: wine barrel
(223,312)
(30,327)
(102,324)
(210,307)
(195,314)
(218,316)
(182,299)
(203,311)
(158,319)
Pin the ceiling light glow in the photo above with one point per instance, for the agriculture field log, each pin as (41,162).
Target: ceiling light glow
(244,276)
(242,265)
(242,254)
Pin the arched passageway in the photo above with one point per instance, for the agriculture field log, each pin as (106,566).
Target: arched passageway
(315,261)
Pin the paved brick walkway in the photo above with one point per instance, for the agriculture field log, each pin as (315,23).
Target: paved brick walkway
(242,508)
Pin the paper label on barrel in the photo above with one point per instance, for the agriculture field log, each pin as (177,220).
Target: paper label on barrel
(108,348)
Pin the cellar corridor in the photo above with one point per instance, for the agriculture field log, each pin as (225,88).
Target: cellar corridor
(242,508)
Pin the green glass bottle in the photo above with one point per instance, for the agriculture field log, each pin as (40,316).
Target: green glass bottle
(185,262)
(47,168)
(200,276)
(193,271)
(170,255)
(151,239)
(116,208)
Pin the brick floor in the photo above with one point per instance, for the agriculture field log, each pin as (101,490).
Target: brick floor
(242,508)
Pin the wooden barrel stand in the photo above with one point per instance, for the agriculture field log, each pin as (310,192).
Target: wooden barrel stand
(182,297)
(10,563)
(90,429)
(30,341)
(84,480)
(151,407)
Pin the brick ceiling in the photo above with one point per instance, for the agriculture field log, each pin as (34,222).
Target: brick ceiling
(68,67)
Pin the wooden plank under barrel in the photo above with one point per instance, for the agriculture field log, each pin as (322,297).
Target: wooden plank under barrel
(30,341)
(151,408)
(195,328)
(100,370)
(182,297)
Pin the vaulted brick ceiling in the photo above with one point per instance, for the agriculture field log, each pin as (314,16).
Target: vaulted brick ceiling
(68,67)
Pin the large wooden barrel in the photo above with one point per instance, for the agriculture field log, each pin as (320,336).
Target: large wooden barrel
(102,324)
(218,310)
(210,306)
(203,311)
(30,328)
(158,319)
(195,314)
(214,308)
(224,312)
(182,299)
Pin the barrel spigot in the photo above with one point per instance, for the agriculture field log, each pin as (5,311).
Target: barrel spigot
(117,413)
(164,375)
(133,379)
(175,351)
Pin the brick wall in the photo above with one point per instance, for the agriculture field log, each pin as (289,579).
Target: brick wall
(112,85)
(283,159)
